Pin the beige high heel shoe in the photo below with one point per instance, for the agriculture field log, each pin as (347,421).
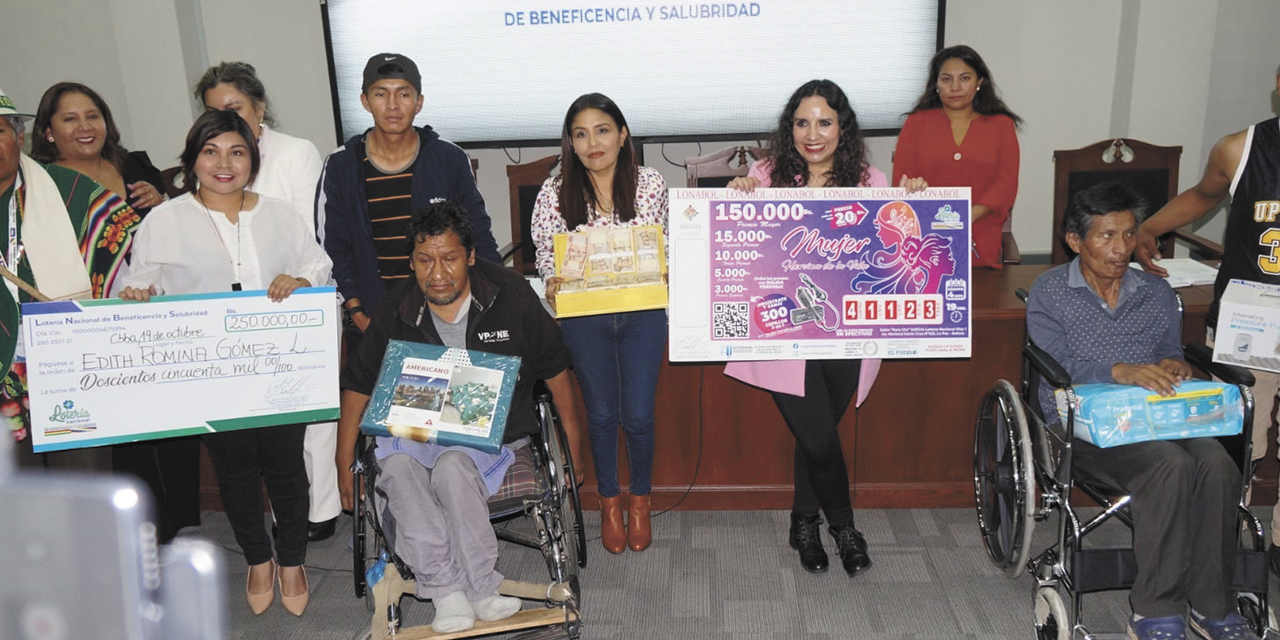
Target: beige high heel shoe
(260,601)
(295,604)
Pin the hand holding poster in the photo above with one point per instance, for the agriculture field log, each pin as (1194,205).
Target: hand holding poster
(819,273)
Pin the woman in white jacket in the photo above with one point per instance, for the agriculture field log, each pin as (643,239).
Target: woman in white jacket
(290,171)
(222,237)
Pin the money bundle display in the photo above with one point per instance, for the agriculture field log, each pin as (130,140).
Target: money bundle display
(611,270)
(607,258)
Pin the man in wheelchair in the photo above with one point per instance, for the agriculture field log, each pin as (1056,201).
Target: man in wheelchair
(1105,322)
(435,494)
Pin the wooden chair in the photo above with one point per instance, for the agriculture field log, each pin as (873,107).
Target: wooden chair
(525,180)
(1009,253)
(1149,169)
(715,170)
(171,178)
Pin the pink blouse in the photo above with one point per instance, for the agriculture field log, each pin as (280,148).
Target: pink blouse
(787,376)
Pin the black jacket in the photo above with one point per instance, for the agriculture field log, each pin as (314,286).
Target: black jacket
(506,318)
(442,170)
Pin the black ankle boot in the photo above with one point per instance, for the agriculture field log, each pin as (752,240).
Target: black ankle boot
(806,537)
(852,548)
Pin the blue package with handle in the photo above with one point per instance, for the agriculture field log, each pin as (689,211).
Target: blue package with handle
(431,393)
(1110,415)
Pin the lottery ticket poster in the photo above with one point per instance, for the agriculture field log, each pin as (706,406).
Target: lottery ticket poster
(782,274)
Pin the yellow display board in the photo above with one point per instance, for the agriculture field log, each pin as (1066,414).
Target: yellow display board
(611,271)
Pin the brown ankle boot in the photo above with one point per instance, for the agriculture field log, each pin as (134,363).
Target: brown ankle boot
(613,533)
(639,531)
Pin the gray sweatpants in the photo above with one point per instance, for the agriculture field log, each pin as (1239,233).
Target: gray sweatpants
(442,528)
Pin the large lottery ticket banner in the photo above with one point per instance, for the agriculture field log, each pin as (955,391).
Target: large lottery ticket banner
(819,273)
(103,372)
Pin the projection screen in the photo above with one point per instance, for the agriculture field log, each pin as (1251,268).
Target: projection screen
(502,72)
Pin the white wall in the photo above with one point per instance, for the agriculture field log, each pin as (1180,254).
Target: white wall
(1055,65)
(284,41)
(1170,72)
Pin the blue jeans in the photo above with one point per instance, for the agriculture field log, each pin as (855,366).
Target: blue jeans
(616,357)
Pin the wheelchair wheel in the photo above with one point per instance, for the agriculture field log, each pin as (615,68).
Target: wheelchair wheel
(366,545)
(568,535)
(1003,478)
(1254,611)
(564,481)
(1051,618)
(359,533)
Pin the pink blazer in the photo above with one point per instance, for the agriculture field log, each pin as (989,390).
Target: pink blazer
(787,376)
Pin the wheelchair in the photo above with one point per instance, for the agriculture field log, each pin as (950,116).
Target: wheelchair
(541,484)
(1023,474)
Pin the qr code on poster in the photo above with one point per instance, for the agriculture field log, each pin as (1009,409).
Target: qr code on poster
(729,320)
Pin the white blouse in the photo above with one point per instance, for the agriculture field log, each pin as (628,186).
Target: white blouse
(290,171)
(182,247)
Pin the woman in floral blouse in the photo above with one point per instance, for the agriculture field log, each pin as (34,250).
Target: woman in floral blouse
(616,356)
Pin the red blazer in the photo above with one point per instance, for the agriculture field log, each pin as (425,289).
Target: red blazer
(985,161)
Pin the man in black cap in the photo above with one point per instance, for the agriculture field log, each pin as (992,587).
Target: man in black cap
(371,185)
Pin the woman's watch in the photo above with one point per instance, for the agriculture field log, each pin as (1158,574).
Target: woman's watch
(353,310)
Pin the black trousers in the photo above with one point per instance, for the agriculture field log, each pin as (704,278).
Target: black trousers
(1184,497)
(171,469)
(243,459)
(90,460)
(821,475)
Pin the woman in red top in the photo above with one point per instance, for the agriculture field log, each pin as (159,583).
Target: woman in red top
(961,134)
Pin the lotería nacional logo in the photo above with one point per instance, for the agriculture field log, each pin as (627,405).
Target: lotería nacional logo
(67,413)
(946,218)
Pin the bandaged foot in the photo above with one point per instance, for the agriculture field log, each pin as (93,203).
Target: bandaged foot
(453,614)
(495,607)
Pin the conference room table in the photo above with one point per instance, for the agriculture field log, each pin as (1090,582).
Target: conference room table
(721,444)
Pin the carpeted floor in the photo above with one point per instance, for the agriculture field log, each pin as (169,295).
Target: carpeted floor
(730,575)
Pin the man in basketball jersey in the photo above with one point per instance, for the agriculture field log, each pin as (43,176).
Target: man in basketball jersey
(1246,166)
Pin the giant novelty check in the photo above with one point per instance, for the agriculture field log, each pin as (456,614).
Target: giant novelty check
(108,371)
(819,273)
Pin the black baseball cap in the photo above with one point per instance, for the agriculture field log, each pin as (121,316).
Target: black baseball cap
(391,65)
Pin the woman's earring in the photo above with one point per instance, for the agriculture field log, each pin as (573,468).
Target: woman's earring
(50,138)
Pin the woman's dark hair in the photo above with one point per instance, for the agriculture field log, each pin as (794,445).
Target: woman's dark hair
(576,189)
(849,162)
(208,126)
(438,218)
(1100,200)
(243,77)
(986,101)
(45,151)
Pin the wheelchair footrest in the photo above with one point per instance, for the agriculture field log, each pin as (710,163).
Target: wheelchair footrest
(526,619)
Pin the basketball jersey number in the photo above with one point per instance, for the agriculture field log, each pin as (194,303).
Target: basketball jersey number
(1270,263)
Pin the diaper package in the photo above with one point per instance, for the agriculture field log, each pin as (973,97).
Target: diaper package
(1109,415)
